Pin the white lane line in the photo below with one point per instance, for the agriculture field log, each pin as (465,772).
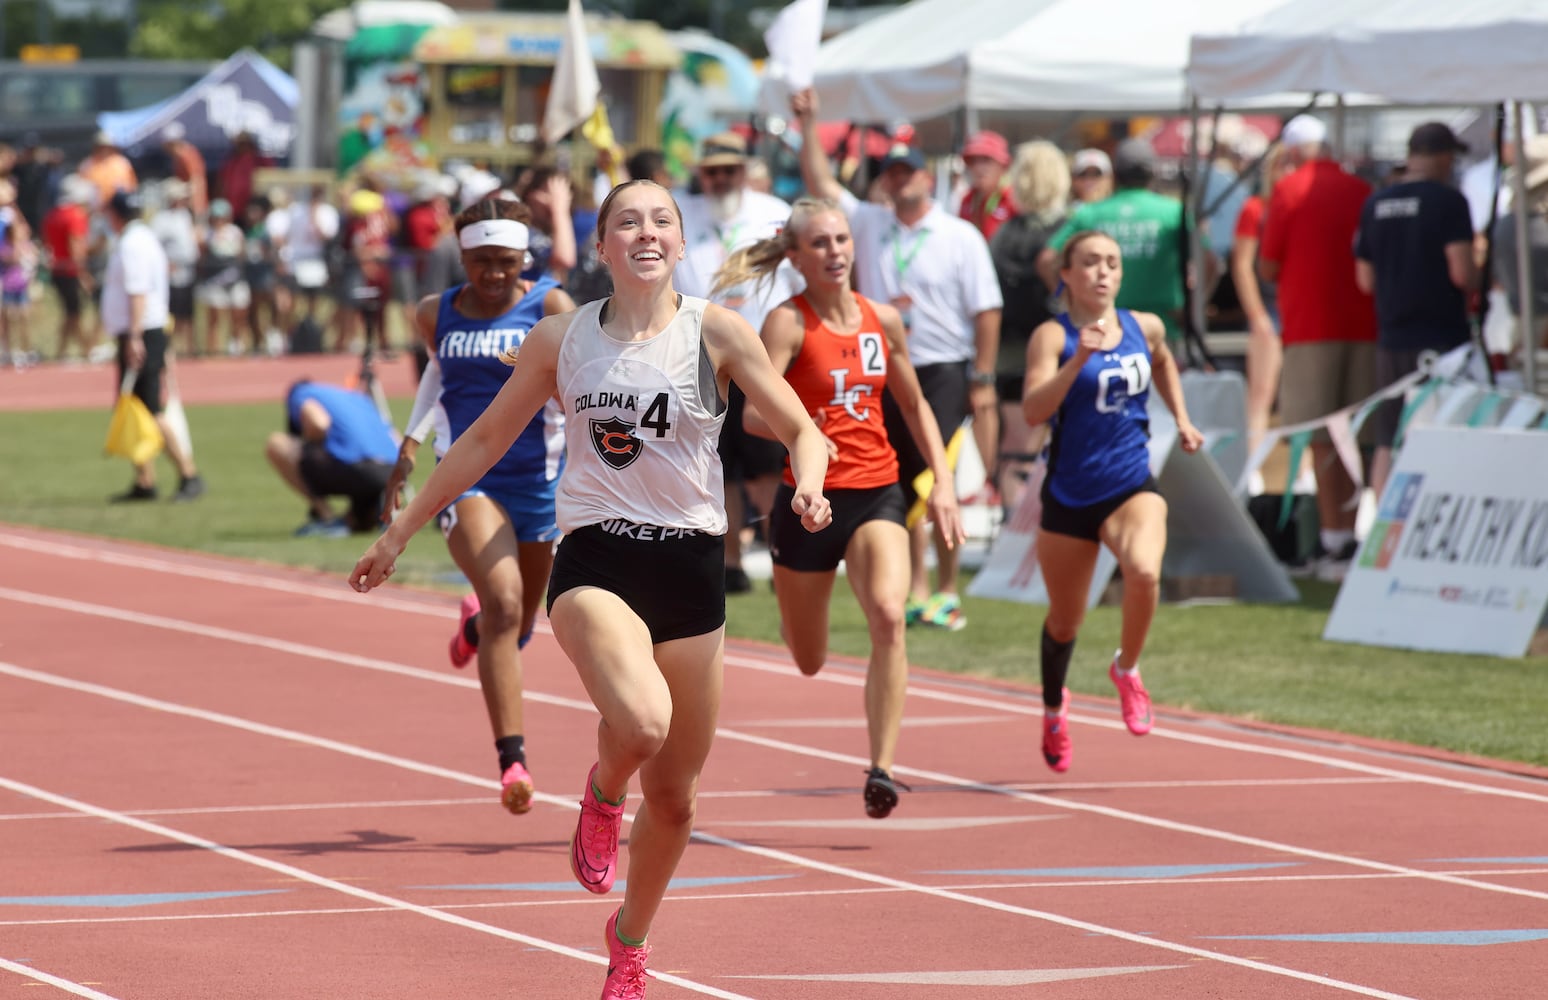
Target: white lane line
(782,667)
(301,874)
(295,807)
(1031,710)
(781,857)
(75,989)
(964,784)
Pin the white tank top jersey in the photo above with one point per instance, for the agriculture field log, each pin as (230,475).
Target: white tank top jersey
(643,426)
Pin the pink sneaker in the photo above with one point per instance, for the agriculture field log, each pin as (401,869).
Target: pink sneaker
(516,789)
(1133,697)
(625,965)
(461,649)
(594,845)
(1057,749)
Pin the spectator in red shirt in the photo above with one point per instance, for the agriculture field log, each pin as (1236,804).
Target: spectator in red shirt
(236,174)
(1328,323)
(65,230)
(989,201)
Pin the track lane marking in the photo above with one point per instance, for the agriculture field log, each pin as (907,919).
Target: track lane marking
(44,978)
(771,854)
(855,678)
(302,875)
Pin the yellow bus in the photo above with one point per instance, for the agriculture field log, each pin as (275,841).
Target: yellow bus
(489,74)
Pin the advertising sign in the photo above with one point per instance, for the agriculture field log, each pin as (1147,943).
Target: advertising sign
(1457,559)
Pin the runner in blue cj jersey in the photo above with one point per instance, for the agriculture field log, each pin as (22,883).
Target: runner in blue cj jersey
(1089,374)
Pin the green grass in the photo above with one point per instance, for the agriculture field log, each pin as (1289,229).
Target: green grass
(1264,662)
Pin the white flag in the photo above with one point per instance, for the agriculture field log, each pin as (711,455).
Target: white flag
(572,96)
(792,40)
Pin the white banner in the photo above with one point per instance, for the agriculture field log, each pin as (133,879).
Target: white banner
(572,95)
(1457,559)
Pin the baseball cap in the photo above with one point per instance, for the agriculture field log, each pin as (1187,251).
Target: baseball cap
(1434,137)
(902,152)
(126,204)
(1134,158)
(102,139)
(724,150)
(1303,130)
(989,145)
(1091,159)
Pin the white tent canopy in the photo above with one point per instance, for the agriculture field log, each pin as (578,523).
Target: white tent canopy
(934,57)
(1407,51)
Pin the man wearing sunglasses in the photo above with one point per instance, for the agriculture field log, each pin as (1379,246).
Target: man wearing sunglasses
(722,218)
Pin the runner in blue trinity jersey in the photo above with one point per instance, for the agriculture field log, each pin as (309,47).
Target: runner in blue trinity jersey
(1089,373)
(500,531)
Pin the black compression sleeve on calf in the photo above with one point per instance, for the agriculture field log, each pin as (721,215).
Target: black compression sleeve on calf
(511,751)
(1055,663)
(470,631)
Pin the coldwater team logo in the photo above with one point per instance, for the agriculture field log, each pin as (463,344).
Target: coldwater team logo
(615,442)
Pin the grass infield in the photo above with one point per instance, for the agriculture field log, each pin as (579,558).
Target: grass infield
(1262,662)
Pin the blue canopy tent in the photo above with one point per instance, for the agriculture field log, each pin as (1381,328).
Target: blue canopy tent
(246,93)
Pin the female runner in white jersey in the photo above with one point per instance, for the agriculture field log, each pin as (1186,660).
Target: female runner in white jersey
(637,597)
(841,351)
(1089,373)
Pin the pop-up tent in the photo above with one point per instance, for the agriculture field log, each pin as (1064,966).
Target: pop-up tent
(1407,51)
(1403,51)
(936,57)
(246,93)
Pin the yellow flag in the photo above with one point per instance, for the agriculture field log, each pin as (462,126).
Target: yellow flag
(133,432)
(599,132)
(925,481)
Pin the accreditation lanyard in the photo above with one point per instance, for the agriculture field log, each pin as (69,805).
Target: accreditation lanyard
(901,259)
(990,204)
(728,240)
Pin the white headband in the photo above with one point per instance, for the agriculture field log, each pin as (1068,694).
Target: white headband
(495,233)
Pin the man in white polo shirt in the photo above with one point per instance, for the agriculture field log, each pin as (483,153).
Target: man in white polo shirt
(936,269)
(723,218)
(134,310)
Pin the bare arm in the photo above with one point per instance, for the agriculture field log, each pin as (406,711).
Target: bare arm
(738,355)
(564,255)
(530,385)
(1245,277)
(1365,276)
(1460,266)
(783,335)
(903,384)
(314,421)
(1167,383)
(1047,381)
(816,171)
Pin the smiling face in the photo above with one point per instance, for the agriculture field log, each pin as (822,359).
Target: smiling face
(824,251)
(1093,271)
(640,232)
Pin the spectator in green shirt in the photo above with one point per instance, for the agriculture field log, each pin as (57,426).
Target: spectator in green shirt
(1147,228)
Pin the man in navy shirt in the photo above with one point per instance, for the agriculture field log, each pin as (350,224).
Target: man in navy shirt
(1414,253)
(336,444)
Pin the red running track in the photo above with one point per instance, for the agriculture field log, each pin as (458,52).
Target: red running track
(225,780)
